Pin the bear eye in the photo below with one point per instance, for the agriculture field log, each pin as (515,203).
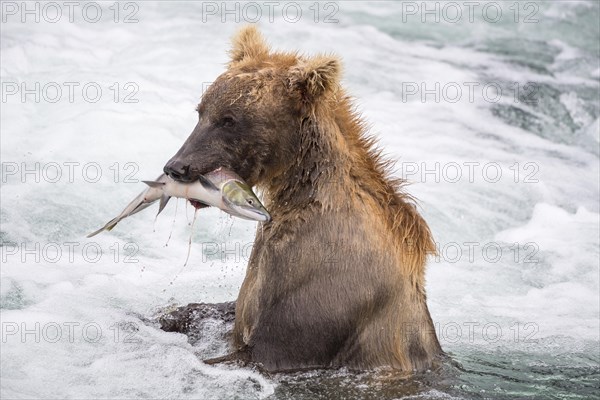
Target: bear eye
(227,122)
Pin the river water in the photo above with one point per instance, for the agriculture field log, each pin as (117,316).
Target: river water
(491,110)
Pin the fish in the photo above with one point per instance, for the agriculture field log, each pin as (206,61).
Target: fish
(237,197)
(139,203)
(221,188)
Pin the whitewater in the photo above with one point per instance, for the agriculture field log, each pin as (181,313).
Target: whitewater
(493,122)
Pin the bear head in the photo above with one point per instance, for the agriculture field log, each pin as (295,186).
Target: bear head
(251,118)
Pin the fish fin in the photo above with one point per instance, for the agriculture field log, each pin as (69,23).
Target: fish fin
(163,202)
(154,184)
(206,183)
(95,233)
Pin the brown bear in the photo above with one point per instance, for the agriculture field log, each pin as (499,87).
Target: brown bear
(336,278)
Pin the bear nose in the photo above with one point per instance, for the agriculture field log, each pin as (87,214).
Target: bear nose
(178,171)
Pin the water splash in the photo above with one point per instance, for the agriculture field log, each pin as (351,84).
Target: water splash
(190,239)
(173,223)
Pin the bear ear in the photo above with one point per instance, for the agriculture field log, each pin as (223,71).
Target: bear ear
(248,43)
(316,76)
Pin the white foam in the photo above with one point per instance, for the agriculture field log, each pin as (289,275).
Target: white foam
(170,54)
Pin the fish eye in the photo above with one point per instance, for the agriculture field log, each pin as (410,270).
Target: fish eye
(250,201)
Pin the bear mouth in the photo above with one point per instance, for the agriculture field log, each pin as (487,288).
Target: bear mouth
(196,204)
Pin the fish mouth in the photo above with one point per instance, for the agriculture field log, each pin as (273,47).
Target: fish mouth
(262,217)
(251,214)
(240,212)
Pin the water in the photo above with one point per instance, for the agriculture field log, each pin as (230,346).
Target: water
(514,293)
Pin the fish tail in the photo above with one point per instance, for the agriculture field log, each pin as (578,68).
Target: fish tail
(109,225)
